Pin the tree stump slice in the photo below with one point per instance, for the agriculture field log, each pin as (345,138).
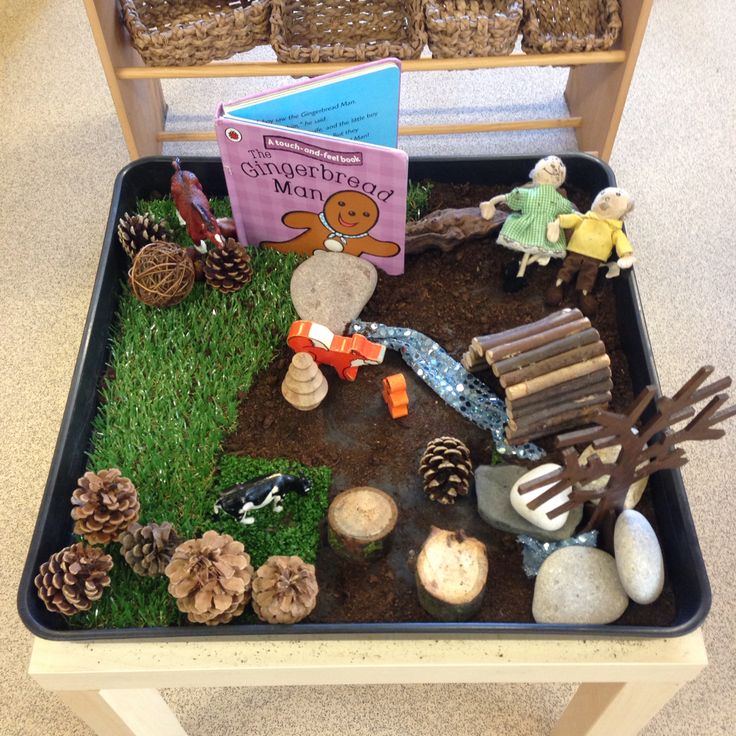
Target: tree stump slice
(451,575)
(361,522)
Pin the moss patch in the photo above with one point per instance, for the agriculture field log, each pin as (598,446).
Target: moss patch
(295,531)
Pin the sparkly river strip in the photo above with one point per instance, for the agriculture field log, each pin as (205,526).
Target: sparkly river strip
(450,381)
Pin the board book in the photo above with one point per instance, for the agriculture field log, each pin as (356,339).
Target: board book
(360,103)
(300,190)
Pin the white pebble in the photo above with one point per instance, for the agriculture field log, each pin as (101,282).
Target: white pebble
(538,516)
(638,557)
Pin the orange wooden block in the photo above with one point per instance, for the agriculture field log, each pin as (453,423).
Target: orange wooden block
(395,395)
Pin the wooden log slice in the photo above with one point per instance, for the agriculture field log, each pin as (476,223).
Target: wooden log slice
(451,575)
(361,521)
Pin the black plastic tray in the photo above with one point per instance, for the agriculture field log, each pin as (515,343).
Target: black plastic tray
(142,178)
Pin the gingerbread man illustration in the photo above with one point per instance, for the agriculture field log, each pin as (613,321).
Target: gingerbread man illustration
(343,226)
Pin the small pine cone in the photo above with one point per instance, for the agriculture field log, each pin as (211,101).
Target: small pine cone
(228,268)
(284,590)
(105,504)
(135,231)
(210,578)
(72,579)
(148,549)
(446,470)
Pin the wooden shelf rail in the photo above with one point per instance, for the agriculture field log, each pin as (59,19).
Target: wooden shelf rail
(596,90)
(448,129)
(275,68)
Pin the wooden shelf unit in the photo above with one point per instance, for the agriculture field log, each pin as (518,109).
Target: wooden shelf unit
(596,89)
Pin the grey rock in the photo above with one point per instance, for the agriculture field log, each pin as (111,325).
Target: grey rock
(493,485)
(332,288)
(578,585)
(638,557)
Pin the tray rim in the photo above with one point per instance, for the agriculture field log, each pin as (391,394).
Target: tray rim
(316,630)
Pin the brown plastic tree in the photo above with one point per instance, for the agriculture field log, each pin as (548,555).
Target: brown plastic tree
(644,451)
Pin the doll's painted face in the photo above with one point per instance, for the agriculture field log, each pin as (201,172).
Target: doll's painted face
(351,213)
(613,203)
(549,170)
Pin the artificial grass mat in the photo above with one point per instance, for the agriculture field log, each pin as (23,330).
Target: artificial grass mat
(169,399)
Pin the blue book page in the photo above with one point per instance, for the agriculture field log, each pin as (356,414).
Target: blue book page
(362,108)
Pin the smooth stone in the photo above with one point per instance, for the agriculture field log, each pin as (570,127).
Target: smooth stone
(609,455)
(578,585)
(332,288)
(493,485)
(638,557)
(538,516)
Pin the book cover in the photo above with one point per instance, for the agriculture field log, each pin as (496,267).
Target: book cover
(299,192)
(360,103)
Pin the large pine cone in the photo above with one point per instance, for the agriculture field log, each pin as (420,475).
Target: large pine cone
(228,268)
(446,470)
(105,504)
(148,549)
(73,578)
(284,590)
(210,578)
(135,231)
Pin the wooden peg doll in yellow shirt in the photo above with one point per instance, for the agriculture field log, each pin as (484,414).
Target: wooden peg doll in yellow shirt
(596,234)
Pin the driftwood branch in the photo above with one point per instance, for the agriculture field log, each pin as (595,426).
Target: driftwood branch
(446,229)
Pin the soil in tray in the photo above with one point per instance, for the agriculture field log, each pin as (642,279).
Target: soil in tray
(452,297)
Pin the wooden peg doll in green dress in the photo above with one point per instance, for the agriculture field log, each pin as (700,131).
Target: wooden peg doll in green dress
(525,229)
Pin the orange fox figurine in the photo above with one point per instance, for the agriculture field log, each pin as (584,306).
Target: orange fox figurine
(344,354)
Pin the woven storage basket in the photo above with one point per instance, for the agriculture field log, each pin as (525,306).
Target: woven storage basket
(473,27)
(551,26)
(189,32)
(346,30)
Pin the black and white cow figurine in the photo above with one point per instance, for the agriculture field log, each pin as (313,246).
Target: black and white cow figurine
(242,499)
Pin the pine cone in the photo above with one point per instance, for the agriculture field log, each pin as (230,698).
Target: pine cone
(228,268)
(73,578)
(210,578)
(284,590)
(446,469)
(148,549)
(135,231)
(105,504)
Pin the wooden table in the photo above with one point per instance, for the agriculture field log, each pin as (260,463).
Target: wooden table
(113,686)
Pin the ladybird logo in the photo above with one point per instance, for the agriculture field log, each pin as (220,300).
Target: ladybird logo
(233,135)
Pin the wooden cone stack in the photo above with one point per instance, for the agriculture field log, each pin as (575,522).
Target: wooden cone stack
(304,386)
(555,372)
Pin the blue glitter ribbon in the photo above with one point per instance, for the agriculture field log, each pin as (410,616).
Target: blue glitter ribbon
(536,552)
(450,381)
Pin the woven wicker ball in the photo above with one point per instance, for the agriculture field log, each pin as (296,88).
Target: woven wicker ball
(162,274)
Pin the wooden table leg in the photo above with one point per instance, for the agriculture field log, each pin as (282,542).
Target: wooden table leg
(597,93)
(621,708)
(139,102)
(123,712)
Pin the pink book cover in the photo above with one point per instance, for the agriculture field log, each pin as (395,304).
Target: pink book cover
(301,192)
